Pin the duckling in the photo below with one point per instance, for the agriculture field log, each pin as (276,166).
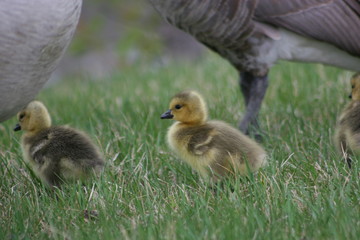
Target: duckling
(56,153)
(347,133)
(213,148)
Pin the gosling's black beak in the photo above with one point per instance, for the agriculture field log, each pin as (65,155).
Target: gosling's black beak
(350,96)
(17,127)
(167,115)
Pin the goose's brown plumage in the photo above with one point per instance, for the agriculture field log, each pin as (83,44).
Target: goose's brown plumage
(254,34)
(333,21)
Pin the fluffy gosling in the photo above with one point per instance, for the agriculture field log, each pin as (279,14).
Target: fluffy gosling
(213,148)
(347,133)
(56,153)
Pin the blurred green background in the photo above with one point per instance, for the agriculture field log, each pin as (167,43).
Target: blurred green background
(117,34)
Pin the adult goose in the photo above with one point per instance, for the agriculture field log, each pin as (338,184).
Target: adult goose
(253,34)
(33,37)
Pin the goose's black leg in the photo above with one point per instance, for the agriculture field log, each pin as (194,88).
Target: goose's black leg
(253,89)
(348,161)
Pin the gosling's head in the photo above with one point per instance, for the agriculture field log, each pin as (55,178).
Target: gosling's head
(355,87)
(187,107)
(33,118)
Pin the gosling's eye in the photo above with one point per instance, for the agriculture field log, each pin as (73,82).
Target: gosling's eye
(352,86)
(177,106)
(22,116)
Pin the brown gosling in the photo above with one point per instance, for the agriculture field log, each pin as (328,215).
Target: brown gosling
(347,133)
(56,153)
(213,148)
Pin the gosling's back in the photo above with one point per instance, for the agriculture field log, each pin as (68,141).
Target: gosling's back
(62,153)
(216,147)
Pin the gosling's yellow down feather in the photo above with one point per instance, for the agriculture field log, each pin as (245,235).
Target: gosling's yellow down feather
(347,133)
(213,148)
(56,153)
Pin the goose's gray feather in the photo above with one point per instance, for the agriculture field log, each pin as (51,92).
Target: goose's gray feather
(33,37)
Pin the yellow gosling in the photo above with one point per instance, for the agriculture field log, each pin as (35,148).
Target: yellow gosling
(56,153)
(213,148)
(347,133)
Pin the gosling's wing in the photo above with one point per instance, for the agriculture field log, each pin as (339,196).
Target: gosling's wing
(38,150)
(54,144)
(202,142)
(334,21)
(351,118)
(39,157)
(74,149)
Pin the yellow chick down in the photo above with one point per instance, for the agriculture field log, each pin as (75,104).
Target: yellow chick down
(213,148)
(56,153)
(347,133)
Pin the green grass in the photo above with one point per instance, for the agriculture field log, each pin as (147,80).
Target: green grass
(306,192)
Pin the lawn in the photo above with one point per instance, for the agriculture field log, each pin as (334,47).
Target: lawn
(146,192)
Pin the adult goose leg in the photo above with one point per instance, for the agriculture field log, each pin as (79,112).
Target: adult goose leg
(253,89)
